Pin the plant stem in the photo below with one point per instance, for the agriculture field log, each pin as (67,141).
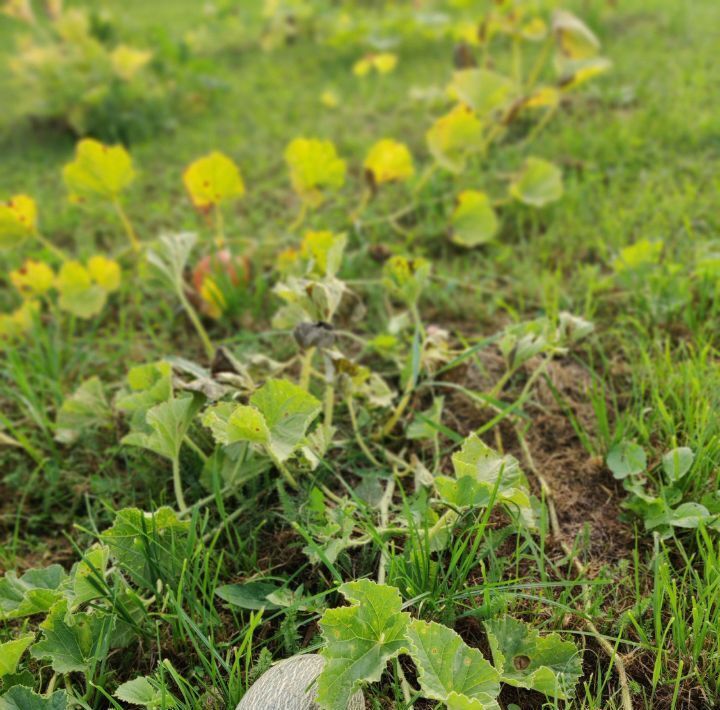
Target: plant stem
(219,227)
(195,319)
(358,436)
(177,485)
(300,218)
(292,482)
(127,224)
(306,369)
(59,253)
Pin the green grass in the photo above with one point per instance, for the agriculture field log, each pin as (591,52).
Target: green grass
(640,150)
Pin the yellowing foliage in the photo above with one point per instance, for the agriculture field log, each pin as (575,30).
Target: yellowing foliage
(98,170)
(314,164)
(213,179)
(389,161)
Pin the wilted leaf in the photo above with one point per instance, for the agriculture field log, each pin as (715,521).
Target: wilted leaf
(474,220)
(213,179)
(98,170)
(360,640)
(170,256)
(526,659)
(538,184)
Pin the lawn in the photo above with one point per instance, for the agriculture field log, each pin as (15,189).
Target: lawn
(304,417)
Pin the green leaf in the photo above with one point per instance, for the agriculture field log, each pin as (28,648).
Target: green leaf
(485,91)
(478,472)
(74,642)
(279,417)
(288,410)
(249,595)
(12,651)
(169,423)
(677,463)
(689,515)
(474,221)
(21,698)
(98,170)
(453,137)
(33,593)
(87,576)
(360,639)
(147,546)
(538,184)
(149,384)
(626,459)
(447,664)
(85,409)
(141,691)
(79,295)
(526,659)
(457,701)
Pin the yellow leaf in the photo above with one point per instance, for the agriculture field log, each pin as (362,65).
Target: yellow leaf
(79,295)
(314,164)
(534,30)
(33,279)
(453,136)
(329,99)
(128,61)
(543,97)
(324,250)
(474,220)
(642,253)
(18,9)
(382,63)
(104,272)
(213,298)
(98,169)
(213,179)
(19,321)
(579,72)
(575,40)
(388,161)
(18,219)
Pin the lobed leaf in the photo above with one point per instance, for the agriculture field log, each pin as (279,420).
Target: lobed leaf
(360,640)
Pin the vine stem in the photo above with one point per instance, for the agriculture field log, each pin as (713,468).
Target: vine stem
(300,218)
(358,436)
(127,225)
(385,502)
(59,253)
(197,324)
(306,368)
(284,471)
(219,227)
(615,657)
(177,485)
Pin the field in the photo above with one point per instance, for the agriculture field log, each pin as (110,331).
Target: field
(381,330)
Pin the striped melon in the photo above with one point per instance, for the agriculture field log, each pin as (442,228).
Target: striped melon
(291,685)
